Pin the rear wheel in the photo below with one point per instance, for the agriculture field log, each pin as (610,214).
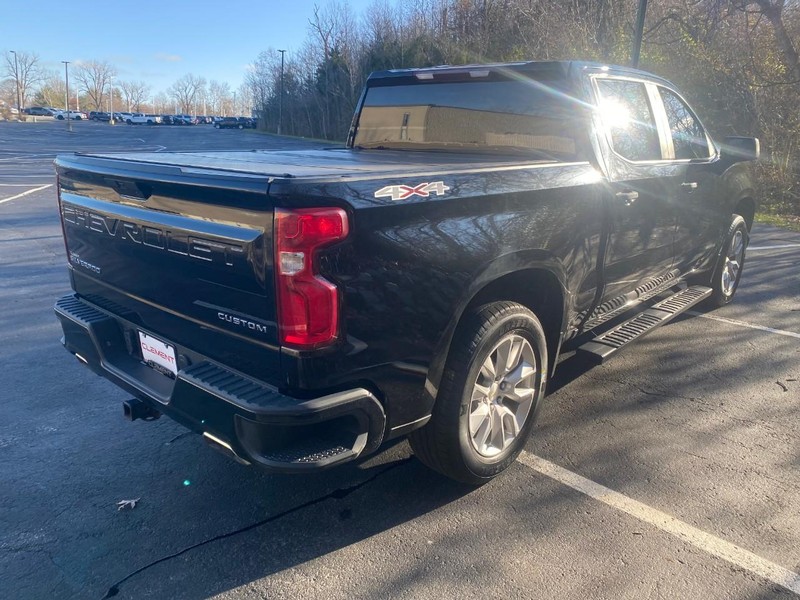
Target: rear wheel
(489,397)
(728,272)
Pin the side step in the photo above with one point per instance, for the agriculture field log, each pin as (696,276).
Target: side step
(612,341)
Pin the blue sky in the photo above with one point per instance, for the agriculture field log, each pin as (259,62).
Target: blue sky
(158,41)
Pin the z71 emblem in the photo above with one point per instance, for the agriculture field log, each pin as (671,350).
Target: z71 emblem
(403,192)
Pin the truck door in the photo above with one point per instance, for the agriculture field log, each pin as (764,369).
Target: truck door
(640,199)
(699,201)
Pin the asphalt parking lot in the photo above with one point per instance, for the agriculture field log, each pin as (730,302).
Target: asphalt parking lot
(673,471)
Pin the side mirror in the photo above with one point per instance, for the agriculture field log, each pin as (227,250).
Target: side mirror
(741,148)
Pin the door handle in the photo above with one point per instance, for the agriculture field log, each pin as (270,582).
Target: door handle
(689,185)
(628,198)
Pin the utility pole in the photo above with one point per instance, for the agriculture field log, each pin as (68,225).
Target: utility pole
(66,93)
(638,33)
(280,99)
(16,80)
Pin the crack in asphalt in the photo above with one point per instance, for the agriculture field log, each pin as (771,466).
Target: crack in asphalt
(178,437)
(337,494)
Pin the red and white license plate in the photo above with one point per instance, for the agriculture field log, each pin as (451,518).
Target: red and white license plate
(157,352)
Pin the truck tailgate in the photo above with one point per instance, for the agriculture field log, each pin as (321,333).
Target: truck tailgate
(165,249)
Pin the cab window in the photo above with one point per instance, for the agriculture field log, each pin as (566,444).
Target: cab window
(688,136)
(628,117)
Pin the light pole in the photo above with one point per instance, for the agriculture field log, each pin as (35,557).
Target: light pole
(111,102)
(637,34)
(16,80)
(66,93)
(280,99)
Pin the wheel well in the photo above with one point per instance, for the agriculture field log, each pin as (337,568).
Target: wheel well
(747,208)
(536,289)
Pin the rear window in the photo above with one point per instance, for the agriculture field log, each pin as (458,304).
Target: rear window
(539,118)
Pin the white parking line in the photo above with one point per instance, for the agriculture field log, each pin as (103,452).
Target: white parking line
(780,247)
(39,189)
(743,324)
(696,537)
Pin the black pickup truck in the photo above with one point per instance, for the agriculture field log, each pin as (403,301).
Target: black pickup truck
(300,308)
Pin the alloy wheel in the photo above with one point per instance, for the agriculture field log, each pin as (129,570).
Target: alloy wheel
(502,395)
(733,263)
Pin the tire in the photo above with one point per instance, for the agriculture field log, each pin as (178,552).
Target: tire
(78,119)
(60,117)
(241,126)
(216,126)
(728,271)
(477,429)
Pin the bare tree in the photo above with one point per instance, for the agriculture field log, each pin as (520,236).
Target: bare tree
(52,90)
(162,103)
(773,10)
(92,78)
(135,92)
(218,94)
(186,90)
(25,71)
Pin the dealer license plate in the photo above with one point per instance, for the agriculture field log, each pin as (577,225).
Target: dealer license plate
(158,354)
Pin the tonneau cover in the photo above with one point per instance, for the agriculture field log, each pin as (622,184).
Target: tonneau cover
(327,163)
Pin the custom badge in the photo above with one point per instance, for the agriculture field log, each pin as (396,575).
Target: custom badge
(403,192)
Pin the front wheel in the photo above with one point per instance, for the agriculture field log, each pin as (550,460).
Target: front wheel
(490,393)
(728,272)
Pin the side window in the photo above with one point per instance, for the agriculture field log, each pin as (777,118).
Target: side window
(688,136)
(627,114)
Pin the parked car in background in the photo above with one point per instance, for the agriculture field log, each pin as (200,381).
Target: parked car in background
(188,119)
(229,123)
(99,116)
(143,119)
(39,111)
(75,115)
(166,120)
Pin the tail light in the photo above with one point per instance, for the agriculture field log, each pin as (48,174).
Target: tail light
(61,215)
(308,304)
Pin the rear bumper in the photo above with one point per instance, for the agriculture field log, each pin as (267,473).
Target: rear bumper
(237,414)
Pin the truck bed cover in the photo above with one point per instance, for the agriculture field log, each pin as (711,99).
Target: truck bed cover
(326,163)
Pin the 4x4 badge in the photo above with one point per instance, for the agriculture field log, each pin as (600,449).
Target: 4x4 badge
(403,192)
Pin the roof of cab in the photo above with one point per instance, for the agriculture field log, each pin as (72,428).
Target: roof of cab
(525,67)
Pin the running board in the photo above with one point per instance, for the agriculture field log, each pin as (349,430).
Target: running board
(612,341)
